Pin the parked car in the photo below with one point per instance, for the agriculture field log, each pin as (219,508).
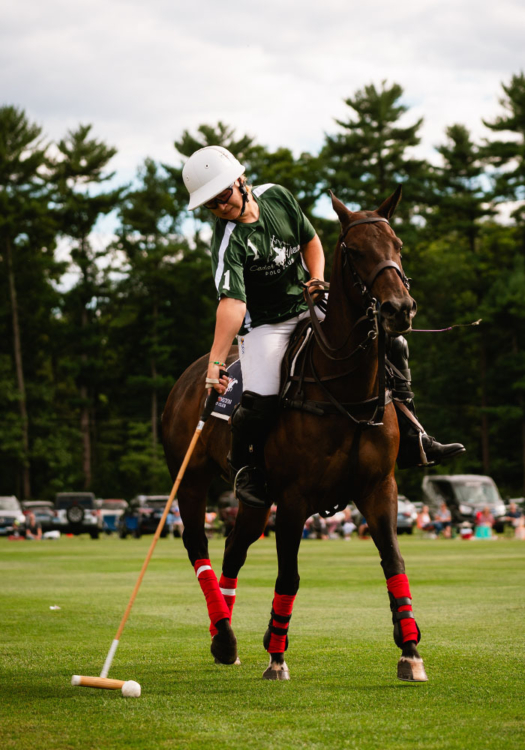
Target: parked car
(406,515)
(143,516)
(110,513)
(465,495)
(44,511)
(11,515)
(77,513)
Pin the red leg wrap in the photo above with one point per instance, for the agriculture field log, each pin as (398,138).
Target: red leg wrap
(399,588)
(228,588)
(217,607)
(282,606)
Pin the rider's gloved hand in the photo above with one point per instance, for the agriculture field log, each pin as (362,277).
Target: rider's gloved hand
(316,288)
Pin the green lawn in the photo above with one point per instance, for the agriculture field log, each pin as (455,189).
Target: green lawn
(469,599)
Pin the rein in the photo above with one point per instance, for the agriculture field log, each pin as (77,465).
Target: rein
(372,310)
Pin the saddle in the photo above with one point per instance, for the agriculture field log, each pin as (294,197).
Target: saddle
(293,379)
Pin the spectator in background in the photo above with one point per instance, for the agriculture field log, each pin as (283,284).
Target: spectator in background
(348,525)
(33,527)
(424,522)
(515,519)
(178,526)
(484,524)
(363,528)
(514,516)
(228,508)
(443,521)
(315,527)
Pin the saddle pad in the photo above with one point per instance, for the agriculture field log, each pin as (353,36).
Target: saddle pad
(226,403)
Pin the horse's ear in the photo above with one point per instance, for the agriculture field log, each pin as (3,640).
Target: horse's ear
(341,210)
(387,208)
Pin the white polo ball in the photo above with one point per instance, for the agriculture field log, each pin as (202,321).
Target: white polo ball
(131,689)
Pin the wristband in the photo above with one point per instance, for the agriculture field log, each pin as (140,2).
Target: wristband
(220,364)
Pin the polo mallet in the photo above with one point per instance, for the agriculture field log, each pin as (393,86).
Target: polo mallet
(103,681)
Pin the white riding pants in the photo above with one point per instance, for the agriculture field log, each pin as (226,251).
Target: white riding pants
(261,352)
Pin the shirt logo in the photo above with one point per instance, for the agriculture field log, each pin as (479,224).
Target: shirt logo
(282,256)
(280,252)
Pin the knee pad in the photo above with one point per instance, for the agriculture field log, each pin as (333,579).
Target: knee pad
(399,353)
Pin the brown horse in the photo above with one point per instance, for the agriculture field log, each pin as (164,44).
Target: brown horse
(330,454)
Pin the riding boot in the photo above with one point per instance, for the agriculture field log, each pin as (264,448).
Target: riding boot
(251,423)
(416,448)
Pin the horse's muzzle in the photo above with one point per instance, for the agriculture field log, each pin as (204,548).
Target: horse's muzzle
(397,314)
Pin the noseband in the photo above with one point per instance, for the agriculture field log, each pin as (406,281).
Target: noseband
(365,286)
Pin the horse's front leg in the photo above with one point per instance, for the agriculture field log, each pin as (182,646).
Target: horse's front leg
(289,524)
(380,510)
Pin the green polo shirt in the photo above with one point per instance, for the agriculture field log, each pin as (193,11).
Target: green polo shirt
(261,263)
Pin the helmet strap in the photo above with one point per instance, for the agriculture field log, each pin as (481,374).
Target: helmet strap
(245,195)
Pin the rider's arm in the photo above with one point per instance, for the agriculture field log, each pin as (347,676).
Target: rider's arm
(314,258)
(230,315)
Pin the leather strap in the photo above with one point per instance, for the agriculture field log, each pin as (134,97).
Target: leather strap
(380,268)
(408,615)
(360,221)
(408,414)
(283,619)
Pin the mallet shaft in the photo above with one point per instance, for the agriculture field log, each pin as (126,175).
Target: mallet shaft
(159,529)
(208,408)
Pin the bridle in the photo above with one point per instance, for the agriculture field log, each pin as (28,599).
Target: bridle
(365,286)
(372,311)
(371,304)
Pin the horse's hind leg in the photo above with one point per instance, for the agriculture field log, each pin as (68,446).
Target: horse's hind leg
(381,515)
(192,504)
(289,524)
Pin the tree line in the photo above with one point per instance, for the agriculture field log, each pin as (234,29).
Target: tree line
(86,366)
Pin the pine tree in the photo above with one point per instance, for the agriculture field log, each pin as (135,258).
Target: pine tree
(79,173)
(149,241)
(26,245)
(508,156)
(371,153)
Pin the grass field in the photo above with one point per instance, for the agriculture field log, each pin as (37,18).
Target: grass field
(469,599)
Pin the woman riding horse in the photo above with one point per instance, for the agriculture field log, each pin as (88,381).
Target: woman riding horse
(264,253)
(259,237)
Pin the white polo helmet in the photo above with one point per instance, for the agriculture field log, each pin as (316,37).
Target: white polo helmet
(208,172)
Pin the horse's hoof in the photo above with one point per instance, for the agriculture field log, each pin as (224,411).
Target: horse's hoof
(224,644)
(411,669)
(237,662)
(277,671)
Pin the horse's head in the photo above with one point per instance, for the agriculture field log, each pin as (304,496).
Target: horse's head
(369,247)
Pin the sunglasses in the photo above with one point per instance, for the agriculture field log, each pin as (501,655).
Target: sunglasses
(223,197)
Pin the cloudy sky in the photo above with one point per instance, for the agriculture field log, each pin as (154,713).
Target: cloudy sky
(141,72)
